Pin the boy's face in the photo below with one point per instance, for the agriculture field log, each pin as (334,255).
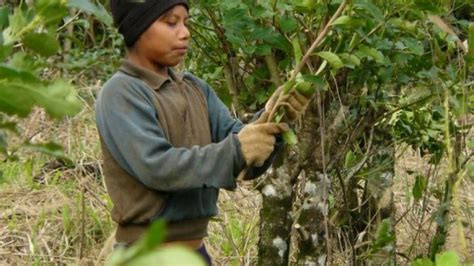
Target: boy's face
(166,41)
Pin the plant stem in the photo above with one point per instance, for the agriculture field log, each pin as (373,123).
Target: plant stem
(305,58)
(279,92)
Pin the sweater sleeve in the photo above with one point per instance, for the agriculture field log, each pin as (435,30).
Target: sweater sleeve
(127,121)
(223,124)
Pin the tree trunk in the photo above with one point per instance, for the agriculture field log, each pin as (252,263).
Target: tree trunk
(276,220)
(317,200)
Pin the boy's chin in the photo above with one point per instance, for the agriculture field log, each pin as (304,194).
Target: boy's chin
(175,63)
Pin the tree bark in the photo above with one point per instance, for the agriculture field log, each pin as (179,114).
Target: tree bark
(360,202)
(276,220)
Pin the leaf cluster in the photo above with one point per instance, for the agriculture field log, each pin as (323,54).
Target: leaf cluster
(29,46)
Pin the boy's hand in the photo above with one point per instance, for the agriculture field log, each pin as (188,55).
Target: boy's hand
(257,140)
(295,103)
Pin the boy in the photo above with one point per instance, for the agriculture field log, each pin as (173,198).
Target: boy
(169,144)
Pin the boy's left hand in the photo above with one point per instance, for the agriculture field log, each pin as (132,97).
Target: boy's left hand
(295,104)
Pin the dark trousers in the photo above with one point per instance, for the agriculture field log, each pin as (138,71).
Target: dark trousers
(205,255)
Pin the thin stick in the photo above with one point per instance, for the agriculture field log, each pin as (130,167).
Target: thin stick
(306,57)
(83,224)
(297,70)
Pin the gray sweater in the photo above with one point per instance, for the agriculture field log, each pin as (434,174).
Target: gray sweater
(129,126)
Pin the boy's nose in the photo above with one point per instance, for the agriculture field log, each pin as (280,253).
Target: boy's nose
(184,33)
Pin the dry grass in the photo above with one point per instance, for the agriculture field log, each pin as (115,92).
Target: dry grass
(233,234)
(417,223)
(52,214)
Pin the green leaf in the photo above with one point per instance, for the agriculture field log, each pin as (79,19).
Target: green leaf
(350,160)
(174,255)
(3,143)
(155,235)
(419,187)
(50,148)
(27,62)
(148,244)
(371,9)
(471,38)
(365,51)
(385,236)
(17,22)
(470,144)
(97,10)
(290,137)
(59,99)
(44,44)
(304,5)
(263,49)
(10,126)
(470,171)
(413,45)
(448,258)
(20,91)
(13,101)
(11,74)
(51,11)
(347,21)
(2,178)
(333,59)
(350,60)
(288,24)
(422,262)
(280,42)
(427,5)
(469,57)
(4,13)
(297,50)
(305,87)
(288,86)
(316,80)
(403,24)
(342,20)
(5,51)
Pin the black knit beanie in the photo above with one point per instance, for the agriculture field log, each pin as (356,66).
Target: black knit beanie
(133,17)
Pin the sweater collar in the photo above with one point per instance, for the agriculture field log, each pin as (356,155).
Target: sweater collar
(154,80)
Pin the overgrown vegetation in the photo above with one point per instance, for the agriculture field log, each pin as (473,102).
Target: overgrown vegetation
(382,172)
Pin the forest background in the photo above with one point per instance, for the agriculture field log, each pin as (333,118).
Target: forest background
(382,170)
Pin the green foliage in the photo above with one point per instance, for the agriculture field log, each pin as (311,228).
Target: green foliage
(334,60)
(422,262)
(385,237)
(419,187)
(147,251)
(387,62)
(447,258)
(97,10)
(35,29)
(290,137)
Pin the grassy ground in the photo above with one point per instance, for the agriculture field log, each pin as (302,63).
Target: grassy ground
(52,214)
(417,220)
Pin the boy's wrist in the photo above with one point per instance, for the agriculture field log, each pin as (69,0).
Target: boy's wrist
(239,160)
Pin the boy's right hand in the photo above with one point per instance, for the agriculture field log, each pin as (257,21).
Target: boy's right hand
(257,140)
